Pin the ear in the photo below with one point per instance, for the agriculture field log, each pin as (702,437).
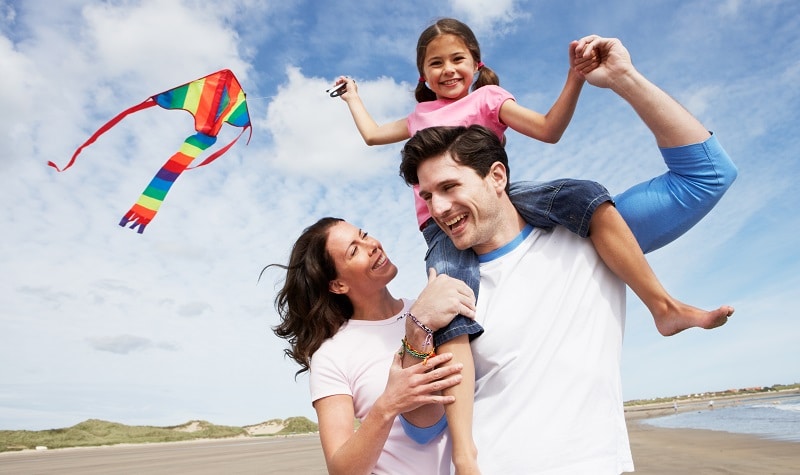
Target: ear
(498,177)
(338,287)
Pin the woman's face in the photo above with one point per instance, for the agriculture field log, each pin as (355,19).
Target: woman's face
(361,264)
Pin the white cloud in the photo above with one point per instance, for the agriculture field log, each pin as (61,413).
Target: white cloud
(91,304)
(314,134)
(488,16)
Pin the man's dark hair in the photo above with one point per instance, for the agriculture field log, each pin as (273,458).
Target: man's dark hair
(475,146)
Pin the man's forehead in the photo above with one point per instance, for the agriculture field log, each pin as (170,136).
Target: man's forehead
(443,168)
(434,168)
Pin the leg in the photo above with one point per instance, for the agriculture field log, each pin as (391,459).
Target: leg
(459,413)
(618,248)
(660,210)
(443,256)
(565,202)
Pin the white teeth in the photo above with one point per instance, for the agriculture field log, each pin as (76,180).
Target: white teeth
(380,262)
(455,219)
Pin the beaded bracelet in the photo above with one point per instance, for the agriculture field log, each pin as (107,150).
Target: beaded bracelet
(417,354)
(429,337)
(418,323)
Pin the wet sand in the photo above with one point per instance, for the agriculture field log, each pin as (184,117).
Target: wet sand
(658,451)
(662,451)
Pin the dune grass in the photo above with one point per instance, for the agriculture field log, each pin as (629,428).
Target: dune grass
(94,432)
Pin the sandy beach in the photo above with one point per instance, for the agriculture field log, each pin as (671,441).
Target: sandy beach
(661,451)
(656,451)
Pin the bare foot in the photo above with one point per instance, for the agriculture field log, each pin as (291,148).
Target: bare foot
(677,316)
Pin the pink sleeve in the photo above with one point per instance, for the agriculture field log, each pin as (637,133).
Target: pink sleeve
(481,107)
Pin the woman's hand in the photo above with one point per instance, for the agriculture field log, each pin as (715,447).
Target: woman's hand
(418,385)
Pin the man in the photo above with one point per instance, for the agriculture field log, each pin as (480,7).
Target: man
(548,396)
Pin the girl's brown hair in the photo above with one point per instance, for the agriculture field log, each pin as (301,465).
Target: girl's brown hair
(450,26)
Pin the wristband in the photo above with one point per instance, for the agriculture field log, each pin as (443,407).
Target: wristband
(429,337)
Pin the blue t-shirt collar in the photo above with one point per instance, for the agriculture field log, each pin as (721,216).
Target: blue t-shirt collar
(502,251)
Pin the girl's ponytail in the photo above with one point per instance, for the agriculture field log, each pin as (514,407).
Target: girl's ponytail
(486,77)
(423,93)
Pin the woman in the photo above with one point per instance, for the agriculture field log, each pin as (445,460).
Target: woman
(345,327)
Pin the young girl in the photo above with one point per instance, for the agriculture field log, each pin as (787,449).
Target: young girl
(448,58)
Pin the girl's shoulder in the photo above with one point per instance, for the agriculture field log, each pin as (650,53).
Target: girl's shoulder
(492,91)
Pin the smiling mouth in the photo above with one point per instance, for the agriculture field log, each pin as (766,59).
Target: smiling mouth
(380,262)
(455,220)
(451,82)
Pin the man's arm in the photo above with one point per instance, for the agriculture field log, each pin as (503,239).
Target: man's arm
(671,124)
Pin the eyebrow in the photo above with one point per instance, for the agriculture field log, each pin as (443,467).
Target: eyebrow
(354,241)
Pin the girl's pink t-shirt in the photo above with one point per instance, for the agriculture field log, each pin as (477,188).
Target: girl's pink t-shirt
(481,107)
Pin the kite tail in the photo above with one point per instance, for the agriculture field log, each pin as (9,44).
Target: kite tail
(149,102)
(150,201)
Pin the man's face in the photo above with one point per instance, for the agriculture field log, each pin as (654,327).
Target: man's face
(465,205)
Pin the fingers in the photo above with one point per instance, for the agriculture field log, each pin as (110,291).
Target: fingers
(431,274)
(435,361)
(434,387)
(586,45)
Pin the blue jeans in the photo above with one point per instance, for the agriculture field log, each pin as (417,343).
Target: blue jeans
(566,202)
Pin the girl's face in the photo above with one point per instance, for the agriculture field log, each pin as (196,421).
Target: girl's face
(448,67)
(362,266)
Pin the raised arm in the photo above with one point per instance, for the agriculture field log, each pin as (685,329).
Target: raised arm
(371,132)
(671,124)
(699,171)
(545,127)
(356,452)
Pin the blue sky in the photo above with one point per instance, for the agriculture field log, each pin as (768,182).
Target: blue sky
(97,321)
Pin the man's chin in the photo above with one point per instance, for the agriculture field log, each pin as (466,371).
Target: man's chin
(461,244)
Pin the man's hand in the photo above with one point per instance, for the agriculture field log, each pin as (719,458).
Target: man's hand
(442,299)
(603,62)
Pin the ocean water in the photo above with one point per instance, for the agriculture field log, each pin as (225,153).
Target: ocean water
(768,417)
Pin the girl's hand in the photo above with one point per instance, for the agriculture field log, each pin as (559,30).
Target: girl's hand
(583,58)
(350,89)
(613,60)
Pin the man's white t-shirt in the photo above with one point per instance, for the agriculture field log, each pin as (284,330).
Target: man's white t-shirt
(356,362)
(548,395)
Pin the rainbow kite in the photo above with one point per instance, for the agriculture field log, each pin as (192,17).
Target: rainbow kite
(212,100)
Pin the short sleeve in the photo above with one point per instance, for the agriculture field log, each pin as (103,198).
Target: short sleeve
(326,378)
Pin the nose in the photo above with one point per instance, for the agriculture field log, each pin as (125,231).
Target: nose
(372,244)
(438,206)
(449,67)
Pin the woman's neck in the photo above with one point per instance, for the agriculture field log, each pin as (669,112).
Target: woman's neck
(376,307)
